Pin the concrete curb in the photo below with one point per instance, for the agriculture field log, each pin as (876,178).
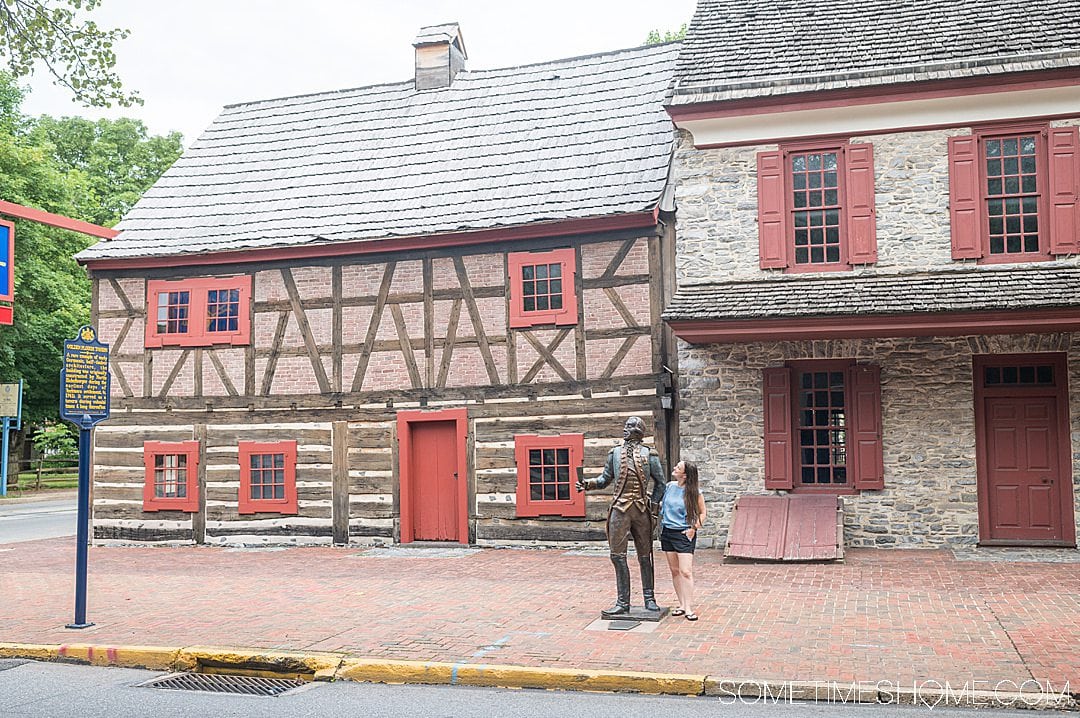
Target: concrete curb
(328,666)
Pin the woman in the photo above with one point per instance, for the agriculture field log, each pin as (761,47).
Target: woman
(681,515)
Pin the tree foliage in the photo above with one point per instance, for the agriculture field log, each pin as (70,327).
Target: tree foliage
(87,170)
(655,38)
(76,52)
(56,439)
(119,158)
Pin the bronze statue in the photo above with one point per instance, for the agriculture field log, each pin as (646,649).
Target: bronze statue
(633,511)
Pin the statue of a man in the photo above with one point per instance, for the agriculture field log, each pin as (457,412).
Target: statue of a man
(639,488)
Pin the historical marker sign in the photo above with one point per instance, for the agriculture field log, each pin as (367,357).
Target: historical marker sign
(84,380)
(9,399)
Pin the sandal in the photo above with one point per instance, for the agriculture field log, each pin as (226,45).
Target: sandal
(691,617)
(677,612)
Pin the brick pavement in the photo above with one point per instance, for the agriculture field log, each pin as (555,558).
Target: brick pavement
(898,616)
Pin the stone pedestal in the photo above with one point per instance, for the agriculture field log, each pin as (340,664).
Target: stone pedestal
(637,613)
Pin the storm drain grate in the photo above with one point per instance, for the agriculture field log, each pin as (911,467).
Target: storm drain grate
(219,683)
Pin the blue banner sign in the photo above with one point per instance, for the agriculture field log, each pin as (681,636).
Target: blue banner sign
(7,259)
(84,380)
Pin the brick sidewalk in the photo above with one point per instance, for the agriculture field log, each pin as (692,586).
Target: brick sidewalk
(898,616)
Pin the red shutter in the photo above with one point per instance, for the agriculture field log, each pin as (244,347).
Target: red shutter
(861,223)
(776,389)
(1064,152)
(772,216)
(964,198)
(864,444)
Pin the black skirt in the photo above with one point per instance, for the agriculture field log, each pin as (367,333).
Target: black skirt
(675,540)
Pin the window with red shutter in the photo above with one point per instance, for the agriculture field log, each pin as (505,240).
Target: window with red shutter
(542,288)
(268,477)
(1013,193)
(547,471)
(823,427)
(816,207)
(171,480)
(198,312)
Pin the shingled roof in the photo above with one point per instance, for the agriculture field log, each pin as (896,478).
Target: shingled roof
(575,138)
(751,48)
(965,290)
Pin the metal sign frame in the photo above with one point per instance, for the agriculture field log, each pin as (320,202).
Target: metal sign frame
(8,427)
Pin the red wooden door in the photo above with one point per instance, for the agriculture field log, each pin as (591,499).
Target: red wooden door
(1023,478)
(434,465)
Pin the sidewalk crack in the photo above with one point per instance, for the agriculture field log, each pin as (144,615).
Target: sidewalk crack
(1016,649)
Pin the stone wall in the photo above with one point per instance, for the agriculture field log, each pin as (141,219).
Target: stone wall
(928,420)
(716,195)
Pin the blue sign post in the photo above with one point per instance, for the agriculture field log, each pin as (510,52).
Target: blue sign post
(11,411)
(84,401)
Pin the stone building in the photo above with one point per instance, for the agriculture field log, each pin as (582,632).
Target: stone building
(402,312)
(877,263)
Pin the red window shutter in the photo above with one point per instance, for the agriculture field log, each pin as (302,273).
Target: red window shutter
(965,206)
(776,388)
(772,215)
(864,442)
(1064,152)
(574,507)
(861,222)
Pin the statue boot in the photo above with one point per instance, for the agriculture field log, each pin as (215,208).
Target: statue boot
(647,582)
(622,584)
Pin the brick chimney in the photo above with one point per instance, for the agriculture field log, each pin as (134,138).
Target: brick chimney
(440,55)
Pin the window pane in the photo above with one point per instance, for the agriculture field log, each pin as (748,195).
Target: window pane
(821,431)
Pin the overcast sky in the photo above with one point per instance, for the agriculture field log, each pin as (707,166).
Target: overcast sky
(189,58)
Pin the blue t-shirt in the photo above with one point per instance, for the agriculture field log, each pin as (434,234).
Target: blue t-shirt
(673,510)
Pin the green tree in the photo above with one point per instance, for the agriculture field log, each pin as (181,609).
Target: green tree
(87,170)
(119,158)
(76,52)
(655,38)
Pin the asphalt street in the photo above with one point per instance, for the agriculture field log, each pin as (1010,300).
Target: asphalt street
(48,690)
(28,521)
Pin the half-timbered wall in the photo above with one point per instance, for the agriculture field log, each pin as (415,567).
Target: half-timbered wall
(339,347)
